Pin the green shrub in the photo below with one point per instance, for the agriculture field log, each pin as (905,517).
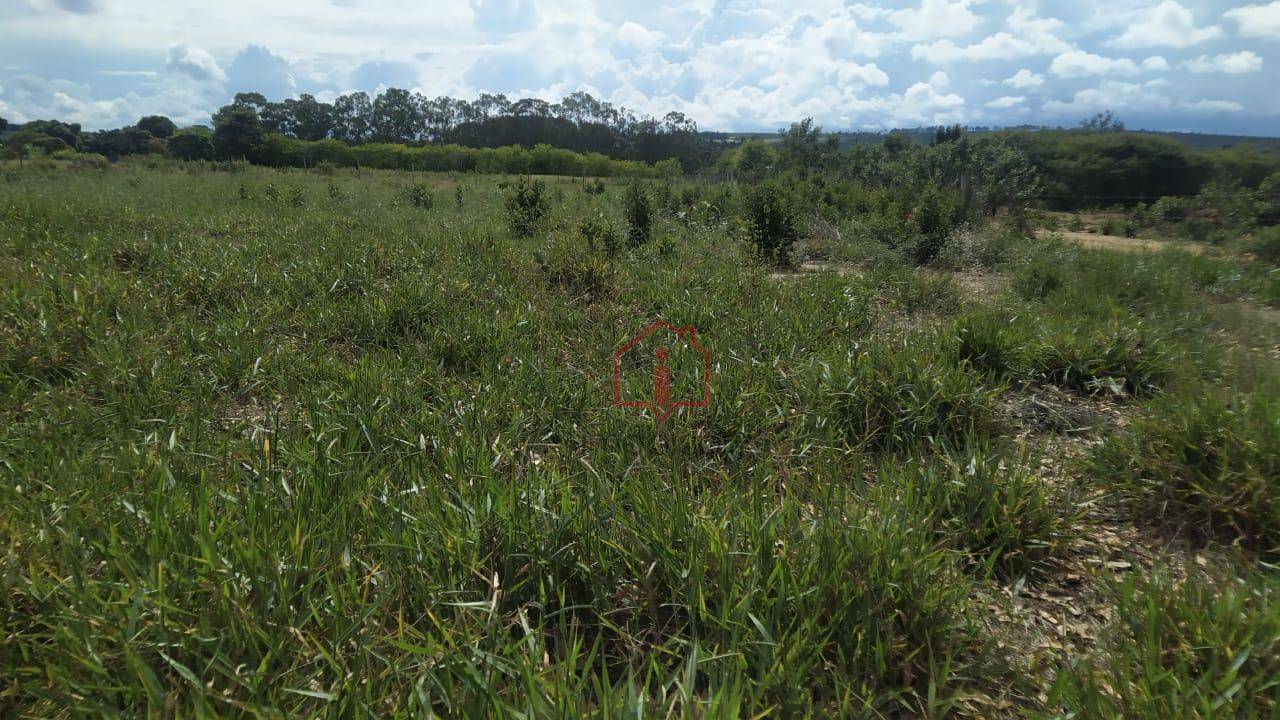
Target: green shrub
(594,187)
(990,343)
(1113,359)
(1171,209)
(581,275)
(600,234)
(992,508)
(889,400)
(1037,279)
(459,196)
(526,207)
(298,197)
(1203,648)
(772,221)
(937,214)
(335,193)
(1124,227)
(1206,462)
(420,196)
(1264,244)
(637,209)
(272,192)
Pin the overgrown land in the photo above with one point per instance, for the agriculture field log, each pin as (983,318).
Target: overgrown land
(339,442)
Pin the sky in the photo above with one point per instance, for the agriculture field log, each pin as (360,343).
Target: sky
(731,65)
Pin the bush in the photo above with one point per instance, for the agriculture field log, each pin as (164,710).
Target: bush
(669,168)
(595,187)
(1264,244)
(637,208)
(1037,279)
(1117,360)
(420,196)
(526,207)
(1123,227)
(298,197)
(993,509)
(599,234)
(899,400)
(1171,209)
(989,343)
(772,222)
(1209,462)
(580,275)
(936,215)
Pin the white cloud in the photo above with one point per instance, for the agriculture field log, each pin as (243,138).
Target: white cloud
(1155,62)
(868,12)
(635,36)
(1168,24)
(935,18)
(1240,63)
(1260,21)
(1025,79)
(196,62)
(1109,95)
(1078,64)
(1213,106)
(1007,101)
(1025,35)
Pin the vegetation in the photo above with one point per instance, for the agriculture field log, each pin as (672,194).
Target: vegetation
(320,441)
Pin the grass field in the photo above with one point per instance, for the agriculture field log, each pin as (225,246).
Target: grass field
(286,444)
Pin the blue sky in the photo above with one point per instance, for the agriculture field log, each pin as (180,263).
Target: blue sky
(1195,65)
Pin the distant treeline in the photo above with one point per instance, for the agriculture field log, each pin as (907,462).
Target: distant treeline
(579,123)
(1097,164)
(281,151)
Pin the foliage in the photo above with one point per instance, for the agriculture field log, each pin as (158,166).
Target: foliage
(420,196)
(1207,462)
(1206,647)
(158,126)
(237,133)
(526,207)
(191,144)
(600,235)
(637,209)
(772,221)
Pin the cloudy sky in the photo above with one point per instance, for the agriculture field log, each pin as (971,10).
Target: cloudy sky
(1198,65)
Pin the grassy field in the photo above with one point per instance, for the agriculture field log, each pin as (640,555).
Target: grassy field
(286,444)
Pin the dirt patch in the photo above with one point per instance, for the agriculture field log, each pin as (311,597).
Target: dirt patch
(1123,244)
(816,266)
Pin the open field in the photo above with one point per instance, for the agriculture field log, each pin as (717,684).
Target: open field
(289,444)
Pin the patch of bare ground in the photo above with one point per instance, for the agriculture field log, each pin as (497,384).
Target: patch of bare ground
(1063,610)
(1098,241)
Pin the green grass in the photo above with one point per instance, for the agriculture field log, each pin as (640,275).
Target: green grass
(1203,648)
(355,454)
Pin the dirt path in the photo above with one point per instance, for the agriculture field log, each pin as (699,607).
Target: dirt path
(1116,242)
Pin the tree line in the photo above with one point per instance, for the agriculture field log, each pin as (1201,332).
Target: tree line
(579,122)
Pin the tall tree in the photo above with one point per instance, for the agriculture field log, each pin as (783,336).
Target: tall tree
(353,117)
(237,132)
(158,125)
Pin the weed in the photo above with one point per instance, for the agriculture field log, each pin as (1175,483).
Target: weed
(1205,462)
(1198,649)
